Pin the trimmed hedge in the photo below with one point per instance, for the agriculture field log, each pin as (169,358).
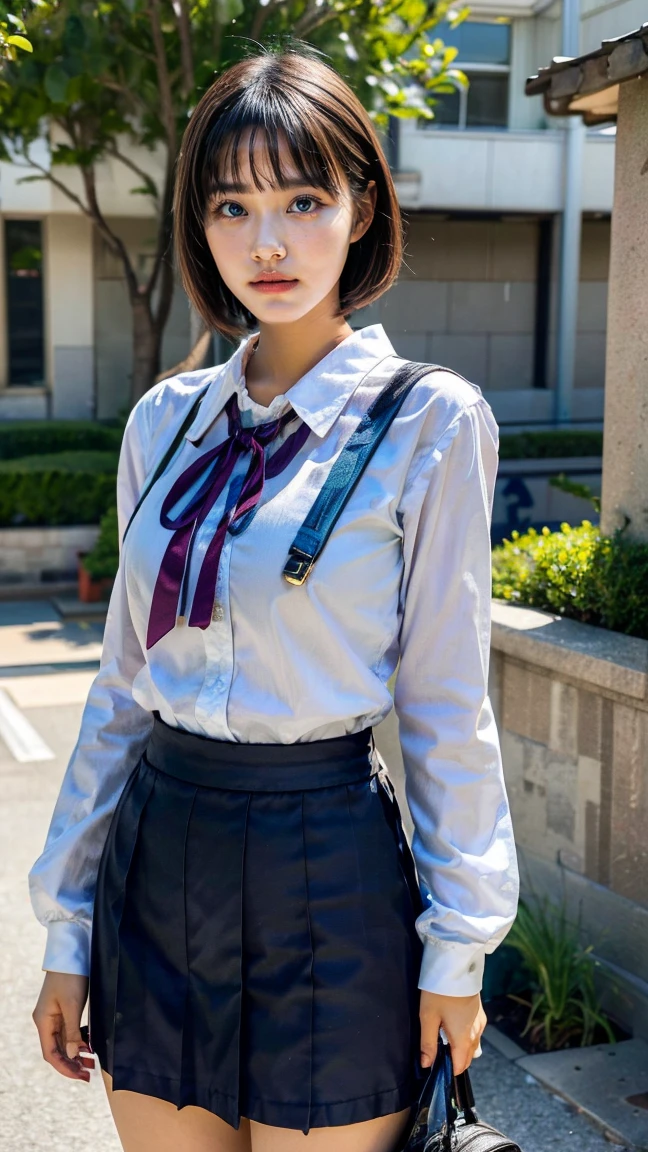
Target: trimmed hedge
(577,572)
(550,444)
(19,438)
(30,437)
(60,488)
(103,559)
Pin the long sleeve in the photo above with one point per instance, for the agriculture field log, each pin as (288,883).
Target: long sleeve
(463,842)
(114,731)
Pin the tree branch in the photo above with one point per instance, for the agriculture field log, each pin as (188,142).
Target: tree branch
(163,271)
(193,360)
(312,18)
(129,94)
(47,175)
(113,150)
(114,241)
(162,67)
(260,17)
(181,9)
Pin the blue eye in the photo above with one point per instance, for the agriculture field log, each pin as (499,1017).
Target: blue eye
(312,199)
(225,204)
(219,209)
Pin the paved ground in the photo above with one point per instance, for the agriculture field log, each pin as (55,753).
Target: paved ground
(43,1112)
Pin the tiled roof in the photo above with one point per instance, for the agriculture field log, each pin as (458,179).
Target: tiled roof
(588,86)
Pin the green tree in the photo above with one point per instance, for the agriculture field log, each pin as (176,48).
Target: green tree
(13,35)
(106,75)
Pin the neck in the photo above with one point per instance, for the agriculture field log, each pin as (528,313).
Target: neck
(286,352)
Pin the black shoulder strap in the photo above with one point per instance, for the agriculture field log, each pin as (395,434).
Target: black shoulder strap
(347,470)
(170,452)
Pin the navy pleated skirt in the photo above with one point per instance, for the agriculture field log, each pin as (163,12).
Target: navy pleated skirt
(253,946)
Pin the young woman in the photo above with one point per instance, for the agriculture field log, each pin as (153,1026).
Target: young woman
(264,965)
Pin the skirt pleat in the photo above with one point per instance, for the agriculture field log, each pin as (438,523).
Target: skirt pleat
(254,953)
(214,900)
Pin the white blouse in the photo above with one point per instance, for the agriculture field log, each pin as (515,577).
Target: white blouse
(405,575)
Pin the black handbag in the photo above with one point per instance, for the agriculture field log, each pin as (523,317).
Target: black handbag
(445,1118)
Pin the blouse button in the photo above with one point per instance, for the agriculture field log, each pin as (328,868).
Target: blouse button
(218,612)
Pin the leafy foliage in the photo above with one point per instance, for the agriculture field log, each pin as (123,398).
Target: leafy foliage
(102,561)
(565,484)
(550,444)
(62,488)
(13,35)
(577,572)
(44,437)
(113,80)
(564,1008)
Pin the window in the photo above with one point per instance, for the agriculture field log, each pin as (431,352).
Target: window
(24,281)
(484,55)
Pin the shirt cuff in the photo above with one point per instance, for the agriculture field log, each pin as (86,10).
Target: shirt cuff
(452,969)
(68,948)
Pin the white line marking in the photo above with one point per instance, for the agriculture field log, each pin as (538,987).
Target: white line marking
(22,740)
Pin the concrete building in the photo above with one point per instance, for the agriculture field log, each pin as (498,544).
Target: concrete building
(483,191)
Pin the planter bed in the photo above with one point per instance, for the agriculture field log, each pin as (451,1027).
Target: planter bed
(31,556)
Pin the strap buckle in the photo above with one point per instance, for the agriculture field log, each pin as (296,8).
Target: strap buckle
(298,565)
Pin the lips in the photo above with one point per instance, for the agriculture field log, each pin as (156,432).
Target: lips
(273,278)
(274,285)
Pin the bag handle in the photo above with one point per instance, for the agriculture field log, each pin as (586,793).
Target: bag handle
(347,470)
(457,1093)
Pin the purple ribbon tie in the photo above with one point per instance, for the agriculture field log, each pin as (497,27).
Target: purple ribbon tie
(217,464)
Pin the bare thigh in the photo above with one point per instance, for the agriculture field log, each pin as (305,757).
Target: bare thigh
(379,1135)
(146,1124)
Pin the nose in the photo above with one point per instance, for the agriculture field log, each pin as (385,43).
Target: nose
(267,244)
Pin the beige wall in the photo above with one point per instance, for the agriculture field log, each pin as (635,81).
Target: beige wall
(113,317)
(466,298)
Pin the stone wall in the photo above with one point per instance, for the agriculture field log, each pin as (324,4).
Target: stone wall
(33,555)
(571,703)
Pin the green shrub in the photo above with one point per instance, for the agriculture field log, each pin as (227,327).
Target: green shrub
(61,488)
(20,438)
(103,559)
(550,444)
(576,572)
(563,1008)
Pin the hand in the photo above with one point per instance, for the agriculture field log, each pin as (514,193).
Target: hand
(463,1020)
(57,1016)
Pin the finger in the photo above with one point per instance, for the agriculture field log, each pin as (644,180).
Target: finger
(71,1041)
(429,1040)
(48,1026)
(463,1056)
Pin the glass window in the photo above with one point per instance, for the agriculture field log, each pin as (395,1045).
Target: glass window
(487,101)
(478,42)
(24,281)
(484,55)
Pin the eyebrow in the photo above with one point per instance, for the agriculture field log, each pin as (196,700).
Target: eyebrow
(245,189)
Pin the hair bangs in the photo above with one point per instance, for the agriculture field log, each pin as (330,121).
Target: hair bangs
(291,103)
(268,122)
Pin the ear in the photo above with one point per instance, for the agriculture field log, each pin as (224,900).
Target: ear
(364,212)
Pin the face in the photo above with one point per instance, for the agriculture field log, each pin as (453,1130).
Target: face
(301,233)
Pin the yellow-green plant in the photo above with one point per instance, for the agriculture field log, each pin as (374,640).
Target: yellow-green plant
(577,572)
(564,1009)
(13,35)
(546,569)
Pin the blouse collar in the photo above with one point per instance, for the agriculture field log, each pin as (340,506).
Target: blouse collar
(317,397)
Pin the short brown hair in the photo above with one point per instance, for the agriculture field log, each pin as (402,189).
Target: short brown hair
(327,130)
